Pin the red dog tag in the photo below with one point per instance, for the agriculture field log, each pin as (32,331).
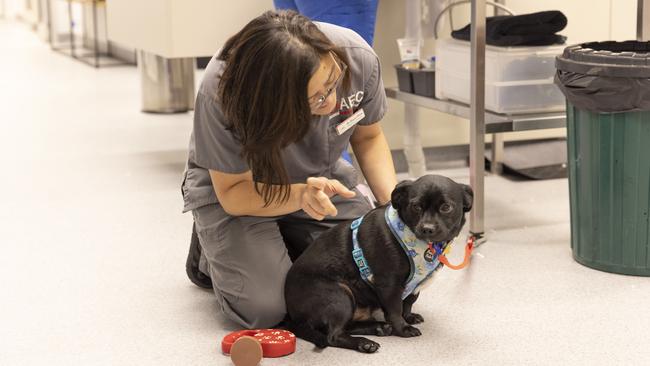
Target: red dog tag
(275,342)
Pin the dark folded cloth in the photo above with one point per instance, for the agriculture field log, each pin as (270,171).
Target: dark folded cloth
(535,29)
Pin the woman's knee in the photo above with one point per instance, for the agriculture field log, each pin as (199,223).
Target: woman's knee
(256,310)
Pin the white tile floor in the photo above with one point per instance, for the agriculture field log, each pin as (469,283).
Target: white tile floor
(93,246)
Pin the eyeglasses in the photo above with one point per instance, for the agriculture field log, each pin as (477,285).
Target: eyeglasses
(318,101)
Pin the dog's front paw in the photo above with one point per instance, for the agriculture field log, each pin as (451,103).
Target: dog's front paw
(367,346)
(414,318)
(407,332)
(384,329)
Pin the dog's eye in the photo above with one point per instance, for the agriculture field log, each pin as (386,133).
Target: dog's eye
(417,208)
(446,208)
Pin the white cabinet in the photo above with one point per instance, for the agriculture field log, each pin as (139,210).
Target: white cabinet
(179,28)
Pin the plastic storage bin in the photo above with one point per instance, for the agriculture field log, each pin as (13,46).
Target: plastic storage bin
(404,79)
(517,79)
(424,82)
(416,81)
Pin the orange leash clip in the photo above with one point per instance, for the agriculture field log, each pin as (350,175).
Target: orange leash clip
(468,253)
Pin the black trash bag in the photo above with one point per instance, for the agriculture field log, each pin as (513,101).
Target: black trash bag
(606,76)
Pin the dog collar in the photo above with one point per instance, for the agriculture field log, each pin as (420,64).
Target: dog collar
(440,248)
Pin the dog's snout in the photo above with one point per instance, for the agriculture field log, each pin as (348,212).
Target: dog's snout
(428,229)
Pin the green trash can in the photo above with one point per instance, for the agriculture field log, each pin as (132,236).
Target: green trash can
(607,87)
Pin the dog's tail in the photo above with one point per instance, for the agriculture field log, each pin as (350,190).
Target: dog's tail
(306,332)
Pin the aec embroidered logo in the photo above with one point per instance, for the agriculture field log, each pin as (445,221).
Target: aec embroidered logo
(347,104)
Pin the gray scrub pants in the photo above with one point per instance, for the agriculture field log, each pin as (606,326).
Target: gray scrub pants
(247,257)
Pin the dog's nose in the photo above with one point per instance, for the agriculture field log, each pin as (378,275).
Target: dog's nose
(428,229)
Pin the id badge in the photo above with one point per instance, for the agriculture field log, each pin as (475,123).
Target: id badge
(350,121)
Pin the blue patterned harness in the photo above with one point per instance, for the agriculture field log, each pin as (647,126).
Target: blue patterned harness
(423,261)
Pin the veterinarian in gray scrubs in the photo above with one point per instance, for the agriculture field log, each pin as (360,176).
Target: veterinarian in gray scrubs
(275,110)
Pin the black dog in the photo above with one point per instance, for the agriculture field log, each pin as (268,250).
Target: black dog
(327,298)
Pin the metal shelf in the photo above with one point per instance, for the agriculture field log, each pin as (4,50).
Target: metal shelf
(480,121)
(494,122)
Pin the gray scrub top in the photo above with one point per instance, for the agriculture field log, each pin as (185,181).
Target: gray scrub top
(212,146)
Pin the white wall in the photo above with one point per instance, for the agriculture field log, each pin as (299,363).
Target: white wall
(588,20)
(32,12)
(29,11)
(623,19)
(11,8)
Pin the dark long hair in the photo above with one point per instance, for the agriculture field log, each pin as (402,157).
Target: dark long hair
(263,92)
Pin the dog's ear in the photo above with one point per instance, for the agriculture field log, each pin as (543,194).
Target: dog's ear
(400,195)
(468,198)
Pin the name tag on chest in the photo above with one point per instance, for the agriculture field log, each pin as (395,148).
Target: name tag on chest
(350,121)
